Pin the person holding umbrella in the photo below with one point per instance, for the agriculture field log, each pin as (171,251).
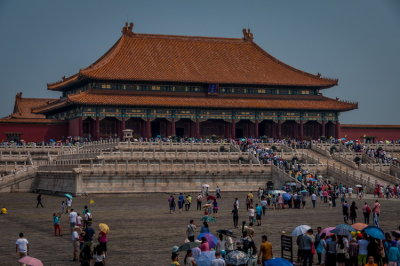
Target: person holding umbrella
(102,238)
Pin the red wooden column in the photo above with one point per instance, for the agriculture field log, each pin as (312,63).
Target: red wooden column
(197,128)
(80,124)
(301,129)
(233,129)
(256,129)
(148,128)
(97,128)
(227,130)
(173,127)
(122,128)
(323,133)
(337,130)
(279,129)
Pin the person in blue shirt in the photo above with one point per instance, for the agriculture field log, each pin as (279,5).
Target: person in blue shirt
(181,201)
(259,211)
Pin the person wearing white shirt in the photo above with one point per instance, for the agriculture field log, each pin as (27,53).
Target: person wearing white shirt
(72,219)
(22,246)
(218,261)
(313,199)
(69,204)
(75,243)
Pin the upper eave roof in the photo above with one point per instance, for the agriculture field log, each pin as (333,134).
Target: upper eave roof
(192,59)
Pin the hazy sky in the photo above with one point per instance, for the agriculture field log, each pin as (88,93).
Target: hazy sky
(356,41)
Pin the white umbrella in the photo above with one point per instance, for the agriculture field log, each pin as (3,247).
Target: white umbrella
(300,230)
(206,185)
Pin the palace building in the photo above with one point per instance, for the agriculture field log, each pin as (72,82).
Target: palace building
(190,86)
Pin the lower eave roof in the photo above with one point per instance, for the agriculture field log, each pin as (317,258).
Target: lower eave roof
(30,121)
(289,102)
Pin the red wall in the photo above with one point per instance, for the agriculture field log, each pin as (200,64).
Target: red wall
(73,127)
(34,132)
(379,133)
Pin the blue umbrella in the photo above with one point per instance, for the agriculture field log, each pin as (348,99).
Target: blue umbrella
(287,196)
(68,196)
(211,239)
(340,231)
(205,258)
(277,262)
(374,232)
(313,179)
(346,226)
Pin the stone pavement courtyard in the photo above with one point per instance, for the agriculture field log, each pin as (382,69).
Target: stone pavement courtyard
(142,230)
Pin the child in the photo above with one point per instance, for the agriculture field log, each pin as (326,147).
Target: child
(98,256)
(56,223)
(330,202)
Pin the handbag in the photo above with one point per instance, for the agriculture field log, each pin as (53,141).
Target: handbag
(347,255)
(313,249)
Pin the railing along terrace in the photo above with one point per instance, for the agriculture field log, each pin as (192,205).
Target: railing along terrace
(160,167)
(167,155)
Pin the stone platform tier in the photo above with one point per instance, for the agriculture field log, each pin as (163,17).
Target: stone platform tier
(152,167)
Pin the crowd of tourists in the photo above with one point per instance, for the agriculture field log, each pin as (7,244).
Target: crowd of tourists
(80,228)
(353,246)
(345,245)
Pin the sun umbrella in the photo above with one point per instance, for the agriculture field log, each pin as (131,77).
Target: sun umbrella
(287,196)
(236,257)
(304,191)
(346,227)
(211,197)
(211,239)
(374,232)
(205,185)
(68,195)
(312,179)
(277,262)
(206,206)
(301,229)
(276,192)
(188,246)
(225,232)
(31,261)
(327,231)
(358,185)
(359,226)
(104,228)
(340,232)
(205,258)
(208,219)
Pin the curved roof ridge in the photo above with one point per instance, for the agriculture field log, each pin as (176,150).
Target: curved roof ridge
(184,37)
(106,57)
(293,68)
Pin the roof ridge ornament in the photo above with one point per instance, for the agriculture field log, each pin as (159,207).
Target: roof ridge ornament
(247,35)
(127,29)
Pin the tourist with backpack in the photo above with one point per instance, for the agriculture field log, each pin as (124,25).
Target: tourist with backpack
(366,212)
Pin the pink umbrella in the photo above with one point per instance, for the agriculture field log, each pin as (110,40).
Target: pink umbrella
(31,261)
(327,231)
